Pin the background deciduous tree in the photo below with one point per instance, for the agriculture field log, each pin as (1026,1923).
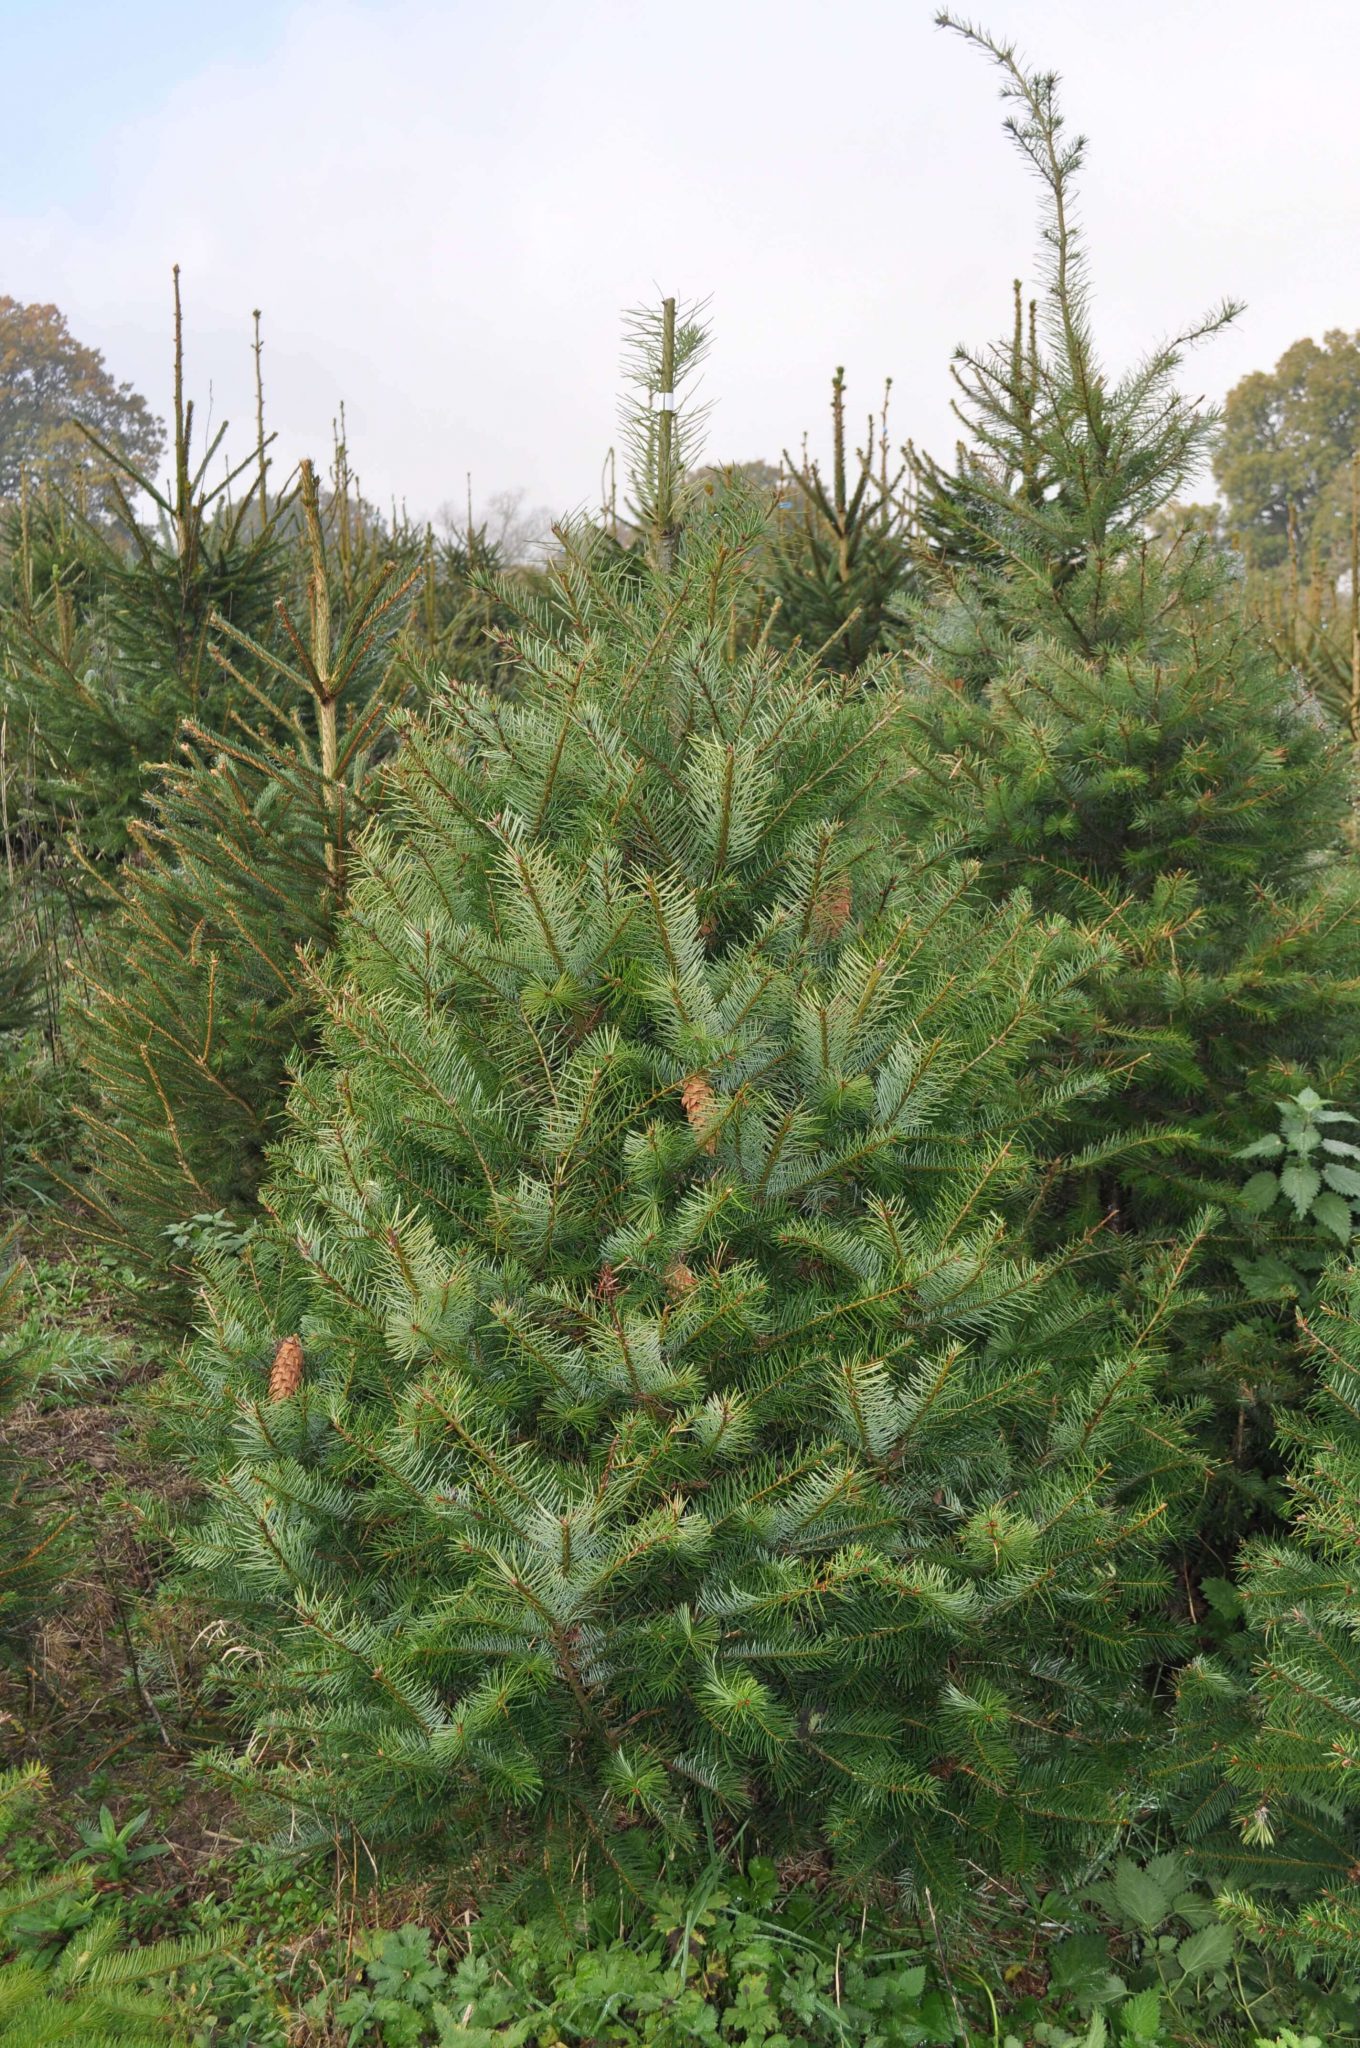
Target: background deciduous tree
(52,385)
(1288,437)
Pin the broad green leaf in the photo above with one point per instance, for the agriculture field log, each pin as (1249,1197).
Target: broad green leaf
(1259,1192)
(1079,1969)
(1209,1949)
(1333,1212)
(1340,1148)
(1140,2018)
(1344,1179)
(1264,1148)
(1301,1184)
(1309,1099)
(1265,1277)
(1140,1897)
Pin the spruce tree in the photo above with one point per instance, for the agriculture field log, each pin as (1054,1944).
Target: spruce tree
(111,650)
(1098,725)
(1266,1768)
(641,1405)
(196,998)
(840,546)
(661,422)
(469,598)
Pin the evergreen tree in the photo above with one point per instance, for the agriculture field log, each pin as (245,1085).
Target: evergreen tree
(999,407)
(641,1404)
(840,548)
(470,595)
(45,546)
(1267,1764)
(1096,724)
(110,654)
(197,998)
(662,425)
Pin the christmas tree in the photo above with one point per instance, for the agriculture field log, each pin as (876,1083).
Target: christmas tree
(110,650)
(840,546)
(1267,1764)
(196,999)
(642,1406)
(1097,725)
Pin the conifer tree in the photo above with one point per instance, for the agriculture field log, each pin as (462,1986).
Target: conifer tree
(196,1001)
(662,425)
(1097,724)
(839,549)
(112,652)
(469,599)
(641,1403)
(1267,1761)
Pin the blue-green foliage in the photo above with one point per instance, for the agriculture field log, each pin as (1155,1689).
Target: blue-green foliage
(685,1426)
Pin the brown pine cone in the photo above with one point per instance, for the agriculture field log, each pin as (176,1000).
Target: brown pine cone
(698,1098)
(285,1374)
(831,910)
(680,1278)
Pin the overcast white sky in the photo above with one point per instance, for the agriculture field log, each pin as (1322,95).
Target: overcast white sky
(442,205)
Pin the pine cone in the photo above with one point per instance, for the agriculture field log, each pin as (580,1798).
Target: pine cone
(285,1374)
(680,1278)
(830,910)
(698,1097)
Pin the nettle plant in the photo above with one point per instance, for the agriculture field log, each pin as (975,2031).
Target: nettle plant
(1314,1174)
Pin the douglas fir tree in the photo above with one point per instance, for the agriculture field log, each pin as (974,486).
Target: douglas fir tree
(641,1409)
(1095,724)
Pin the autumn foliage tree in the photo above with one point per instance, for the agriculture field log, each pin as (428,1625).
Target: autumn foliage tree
(52,389)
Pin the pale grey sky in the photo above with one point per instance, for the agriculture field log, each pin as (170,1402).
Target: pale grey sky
(442,205)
